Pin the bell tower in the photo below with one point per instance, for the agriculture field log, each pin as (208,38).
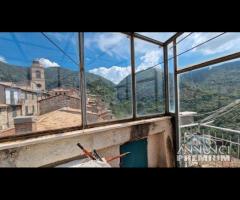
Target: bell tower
(37,76)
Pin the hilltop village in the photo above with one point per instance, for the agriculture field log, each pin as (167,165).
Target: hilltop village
(28,106)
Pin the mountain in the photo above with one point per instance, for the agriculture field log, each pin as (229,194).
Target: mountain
(149,90)
(208,89)
(68,78)
(12,73)
(202,91)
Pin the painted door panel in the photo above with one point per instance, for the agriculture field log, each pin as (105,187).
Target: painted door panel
(138,154)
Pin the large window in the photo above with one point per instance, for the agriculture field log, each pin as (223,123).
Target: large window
(108,76)
(149,78)
(209,109)
(41,64)
(209,89)
(197,47)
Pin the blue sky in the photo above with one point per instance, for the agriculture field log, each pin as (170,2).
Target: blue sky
(108,54)
(22,48)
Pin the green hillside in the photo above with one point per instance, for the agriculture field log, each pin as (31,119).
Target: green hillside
(149,91)
(209,89)
(201,91)
(68,78)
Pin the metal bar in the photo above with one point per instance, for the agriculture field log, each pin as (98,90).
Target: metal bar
(148,39)
(177,128)
(222,138)
(145,38)
(93,125)
(238,147)
(189,125)
(166,81)
(156,91)
(82,80)
(222,129)
(209,62)
(230,145)
(174,37)
(134,109)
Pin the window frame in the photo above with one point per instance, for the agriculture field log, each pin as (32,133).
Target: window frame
(38,74)
(134,116)
(178,71)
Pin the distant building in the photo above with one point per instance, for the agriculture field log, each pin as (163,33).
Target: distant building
(58,101)
(37,77)
(187,117)
(65,91)
(26,106)
(17,101)
(21,99)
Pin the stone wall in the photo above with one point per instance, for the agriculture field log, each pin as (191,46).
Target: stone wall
(57,102)
(10,115)
(30,102)
(3,118)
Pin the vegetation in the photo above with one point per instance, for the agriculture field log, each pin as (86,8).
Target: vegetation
(202,91)
(209,89)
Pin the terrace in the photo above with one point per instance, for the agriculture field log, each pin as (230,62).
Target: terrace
(150,94)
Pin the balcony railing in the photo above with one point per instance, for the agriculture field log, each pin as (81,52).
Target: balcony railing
(221,136)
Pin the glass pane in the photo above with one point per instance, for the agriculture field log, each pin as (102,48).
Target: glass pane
(108,76)
(209,107)
(39,81)
(149,78)
(206,46)
(171,82)
(160,36)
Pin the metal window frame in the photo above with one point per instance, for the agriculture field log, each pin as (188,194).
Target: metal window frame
(190,68)
(134,117)
(209,63)
(132,37)
(144,38)
(133,75)
(83,92)
(82,80)
(166,81)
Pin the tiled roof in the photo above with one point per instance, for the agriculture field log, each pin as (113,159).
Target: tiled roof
(61,118)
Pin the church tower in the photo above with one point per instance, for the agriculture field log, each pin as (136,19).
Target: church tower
(37,76)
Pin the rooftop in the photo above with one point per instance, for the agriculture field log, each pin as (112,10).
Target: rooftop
(59,119)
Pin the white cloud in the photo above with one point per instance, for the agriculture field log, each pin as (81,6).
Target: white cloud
(47,63)
(114,73)
(150,55)
(2,59)
(150,59)
(117,74)
(224,44)
(113,44)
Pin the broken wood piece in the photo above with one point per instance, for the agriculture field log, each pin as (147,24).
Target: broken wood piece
(88,154)
(116,157)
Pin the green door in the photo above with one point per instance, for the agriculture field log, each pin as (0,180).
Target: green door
(137,156)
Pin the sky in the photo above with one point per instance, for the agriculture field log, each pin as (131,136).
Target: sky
(108,54)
